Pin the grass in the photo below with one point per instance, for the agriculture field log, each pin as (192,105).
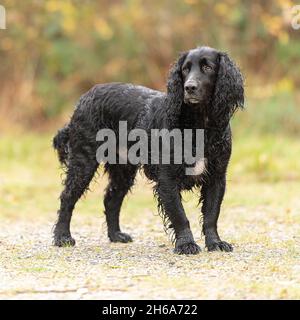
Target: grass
(259,216)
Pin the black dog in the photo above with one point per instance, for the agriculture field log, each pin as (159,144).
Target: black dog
(204,90)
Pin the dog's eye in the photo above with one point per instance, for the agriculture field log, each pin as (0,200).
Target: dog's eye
(206,68)
(185,71)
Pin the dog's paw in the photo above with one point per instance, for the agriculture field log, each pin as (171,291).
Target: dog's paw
(64,241)
(120,237)
(219,246)
(187,248)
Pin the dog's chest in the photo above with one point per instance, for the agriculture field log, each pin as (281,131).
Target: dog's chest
(200,167)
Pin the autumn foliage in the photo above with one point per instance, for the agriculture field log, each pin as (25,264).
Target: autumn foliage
(52,51)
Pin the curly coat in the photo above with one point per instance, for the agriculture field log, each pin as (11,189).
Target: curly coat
(104,106)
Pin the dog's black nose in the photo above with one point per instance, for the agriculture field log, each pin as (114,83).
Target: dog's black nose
(190,87)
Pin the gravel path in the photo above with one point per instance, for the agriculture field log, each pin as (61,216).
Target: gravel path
(264,264)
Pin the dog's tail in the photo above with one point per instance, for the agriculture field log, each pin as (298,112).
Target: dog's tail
(61,144)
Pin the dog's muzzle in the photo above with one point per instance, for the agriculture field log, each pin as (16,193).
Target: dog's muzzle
(191,92)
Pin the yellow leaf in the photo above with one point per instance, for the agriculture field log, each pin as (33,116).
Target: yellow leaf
(221,9)
(285,85)
(103,28)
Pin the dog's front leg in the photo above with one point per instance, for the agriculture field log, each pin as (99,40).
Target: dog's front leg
(212,195)
(170,200)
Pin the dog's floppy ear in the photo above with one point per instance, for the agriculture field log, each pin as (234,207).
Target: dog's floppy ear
(229,88)
(175,81)
(175,91)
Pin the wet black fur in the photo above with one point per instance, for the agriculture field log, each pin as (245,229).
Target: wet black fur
(105,105)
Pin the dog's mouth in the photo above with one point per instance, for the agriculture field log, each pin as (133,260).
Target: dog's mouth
(191,100)
(194,100)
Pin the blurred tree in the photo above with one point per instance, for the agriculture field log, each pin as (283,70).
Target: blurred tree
(52,51)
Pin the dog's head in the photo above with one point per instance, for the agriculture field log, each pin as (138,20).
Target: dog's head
(206,77)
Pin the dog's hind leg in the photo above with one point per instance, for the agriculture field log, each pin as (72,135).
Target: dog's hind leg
(121,179)
(81,169)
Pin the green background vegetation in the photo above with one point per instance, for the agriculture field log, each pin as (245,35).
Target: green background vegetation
(51,53)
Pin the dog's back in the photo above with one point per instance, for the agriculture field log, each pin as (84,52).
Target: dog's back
(204,89)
